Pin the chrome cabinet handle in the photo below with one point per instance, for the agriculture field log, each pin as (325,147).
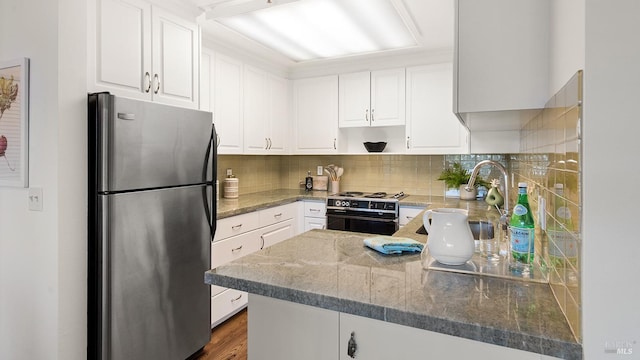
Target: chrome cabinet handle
(314,210)
(270,143)
(236,299)
(236,227)
(352,347)
(366,114)
(237,249)
(407,142)
(334,144)
(409,217)
(266,146)
(147,77)
(277,215)
(372,119)
(156,79)
(217,140)
(262,245)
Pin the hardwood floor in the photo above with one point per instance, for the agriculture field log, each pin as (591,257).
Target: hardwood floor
(228,340)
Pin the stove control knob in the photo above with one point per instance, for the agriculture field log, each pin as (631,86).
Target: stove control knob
(337,202)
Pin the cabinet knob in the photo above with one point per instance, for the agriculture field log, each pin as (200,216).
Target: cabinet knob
(352,346)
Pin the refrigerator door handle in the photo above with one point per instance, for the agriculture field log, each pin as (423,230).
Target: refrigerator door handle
(210,201)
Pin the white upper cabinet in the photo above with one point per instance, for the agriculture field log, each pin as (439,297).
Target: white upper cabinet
(374,98)
(266,113)
(315,113)
(142,51)
(501,55)
(432,128)
(227,104)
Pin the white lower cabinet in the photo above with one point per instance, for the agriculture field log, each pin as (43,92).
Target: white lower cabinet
(241,235)
(408,213)
(315,215)
(308,332)
(288,331)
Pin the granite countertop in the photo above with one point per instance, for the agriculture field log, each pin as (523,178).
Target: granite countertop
(333,270)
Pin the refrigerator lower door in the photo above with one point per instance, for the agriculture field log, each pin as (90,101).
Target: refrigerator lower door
(156,248)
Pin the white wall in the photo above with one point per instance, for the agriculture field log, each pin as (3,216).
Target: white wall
(42,254)
(611,245)
(566,42)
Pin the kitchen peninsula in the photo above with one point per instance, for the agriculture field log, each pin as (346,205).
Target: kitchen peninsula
(330,277)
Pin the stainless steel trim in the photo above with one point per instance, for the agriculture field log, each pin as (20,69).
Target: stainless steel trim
(126,116)
(362,210)
(365,218)
(105,280)
(105,134)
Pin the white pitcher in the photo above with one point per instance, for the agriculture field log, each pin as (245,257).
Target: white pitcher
(450,238)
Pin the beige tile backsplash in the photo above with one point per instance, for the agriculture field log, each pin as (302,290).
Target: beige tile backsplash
(550,154)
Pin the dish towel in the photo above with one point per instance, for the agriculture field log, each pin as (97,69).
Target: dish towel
(393,245)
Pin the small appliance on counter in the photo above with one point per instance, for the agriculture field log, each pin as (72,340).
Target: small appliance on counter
(374,213)
(308,182)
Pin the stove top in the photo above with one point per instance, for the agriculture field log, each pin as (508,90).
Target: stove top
(375,195)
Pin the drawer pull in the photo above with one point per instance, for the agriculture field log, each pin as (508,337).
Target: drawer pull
(262,245)
(410,217)
(236,249)
(314,210)
(277,215)
(236,227)
(236,299)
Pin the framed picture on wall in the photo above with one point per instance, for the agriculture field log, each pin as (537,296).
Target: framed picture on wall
(14,122)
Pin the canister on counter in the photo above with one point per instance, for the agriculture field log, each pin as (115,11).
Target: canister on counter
(230,185)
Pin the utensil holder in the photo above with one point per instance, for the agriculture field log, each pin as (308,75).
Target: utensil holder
(335,187)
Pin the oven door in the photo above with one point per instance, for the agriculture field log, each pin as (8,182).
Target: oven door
(363,224)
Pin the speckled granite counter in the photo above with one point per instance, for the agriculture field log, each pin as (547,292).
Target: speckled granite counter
(262,200)
(324,268)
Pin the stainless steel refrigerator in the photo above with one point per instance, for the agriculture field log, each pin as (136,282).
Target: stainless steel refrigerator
(151,221)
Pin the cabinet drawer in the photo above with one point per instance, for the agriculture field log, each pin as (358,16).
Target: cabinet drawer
(277,214)
(235,247)
(226,304)
(236,225)
(311,223)
(315,209)
(215,289)
(408,213)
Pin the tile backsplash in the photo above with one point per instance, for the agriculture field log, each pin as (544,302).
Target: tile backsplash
(550,163)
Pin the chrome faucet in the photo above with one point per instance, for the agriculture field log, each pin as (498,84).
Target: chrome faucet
(474,175)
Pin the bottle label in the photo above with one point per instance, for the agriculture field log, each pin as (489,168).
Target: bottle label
(563,213)
(522,240)
(520,210)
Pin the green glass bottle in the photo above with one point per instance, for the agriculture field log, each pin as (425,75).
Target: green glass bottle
(521,229)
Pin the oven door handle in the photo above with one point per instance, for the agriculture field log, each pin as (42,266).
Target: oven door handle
(365,218)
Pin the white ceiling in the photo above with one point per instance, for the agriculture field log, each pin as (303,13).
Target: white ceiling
(433,19)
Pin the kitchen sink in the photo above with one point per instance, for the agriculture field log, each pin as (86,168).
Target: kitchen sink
(474,225)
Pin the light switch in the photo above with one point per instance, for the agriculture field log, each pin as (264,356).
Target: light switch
(35,199)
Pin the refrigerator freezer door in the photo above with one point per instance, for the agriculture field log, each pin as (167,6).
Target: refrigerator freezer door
(146,145)
(157,246)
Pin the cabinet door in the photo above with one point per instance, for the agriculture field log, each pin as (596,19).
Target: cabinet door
(289,331)
(502,55)
(206,80)
(380,340)
(388,97)
(311,223)
(227,104)
(316,115)
(176,53)
(255,100)
(276,233)
(120,47)
(431,126)
(279,115)
(354,100)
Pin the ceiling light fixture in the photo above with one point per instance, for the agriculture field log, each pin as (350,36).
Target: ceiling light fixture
(319,29)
